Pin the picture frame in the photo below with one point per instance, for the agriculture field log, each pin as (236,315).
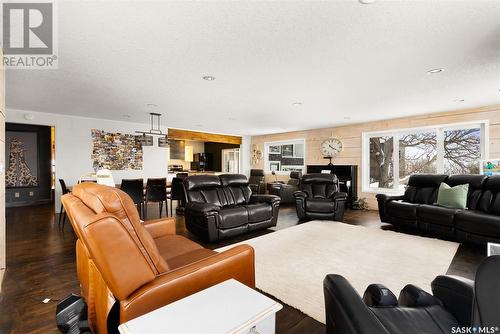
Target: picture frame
(490,167)
(287,151)
(22,159)
(275,149)
(274,166)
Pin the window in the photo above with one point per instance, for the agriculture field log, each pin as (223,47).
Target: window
(393,156)
(285,156)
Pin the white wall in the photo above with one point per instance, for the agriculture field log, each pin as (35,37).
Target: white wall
(73,144)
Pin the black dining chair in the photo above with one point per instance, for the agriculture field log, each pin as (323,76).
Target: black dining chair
(176,191)
(156,191)
(62,212)
(135,189)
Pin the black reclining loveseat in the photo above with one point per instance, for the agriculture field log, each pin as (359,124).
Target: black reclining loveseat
(458,305)
(220,207)
(416,209)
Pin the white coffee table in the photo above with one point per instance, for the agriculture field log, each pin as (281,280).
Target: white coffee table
(228,307)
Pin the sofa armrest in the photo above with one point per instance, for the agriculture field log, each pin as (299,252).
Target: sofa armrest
(202,208)
(345,310)
(457,295)
(160,227)
(300,194)
(339,196)
(271,199)
(237,263)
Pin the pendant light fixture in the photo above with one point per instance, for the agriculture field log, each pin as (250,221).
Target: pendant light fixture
(147,136)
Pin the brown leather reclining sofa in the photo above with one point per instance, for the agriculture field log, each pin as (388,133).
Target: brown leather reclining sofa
(127,268)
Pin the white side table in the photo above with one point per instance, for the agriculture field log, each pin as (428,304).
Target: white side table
(228,307)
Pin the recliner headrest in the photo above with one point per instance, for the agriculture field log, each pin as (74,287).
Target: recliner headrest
(319,178)
(474,181)
(492,183)
(295,175)
(233,180)
(427,180)
(201,181)
(257,172)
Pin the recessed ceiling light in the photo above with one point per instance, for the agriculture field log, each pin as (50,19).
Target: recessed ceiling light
(366,2)
(297,104)
(208,78)
(347,117)
(126,116)
(459,100)
(232,119)
(435,71)
(151,105)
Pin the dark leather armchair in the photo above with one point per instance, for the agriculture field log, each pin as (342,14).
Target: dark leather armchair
(456,302)
(319,198)
(220,207)
(286,191)
(256,181)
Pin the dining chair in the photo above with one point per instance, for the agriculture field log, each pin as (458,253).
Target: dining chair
(177,191)
(156,191)
(135,189)
(62,212)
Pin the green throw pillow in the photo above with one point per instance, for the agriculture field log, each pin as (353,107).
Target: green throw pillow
(453,197)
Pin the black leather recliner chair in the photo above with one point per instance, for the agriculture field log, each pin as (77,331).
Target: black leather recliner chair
(456,302)
(479,223)
(319,198)
(257,181)
(285,191)
(220,207)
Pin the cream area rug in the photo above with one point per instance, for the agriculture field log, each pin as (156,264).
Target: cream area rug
(290,264)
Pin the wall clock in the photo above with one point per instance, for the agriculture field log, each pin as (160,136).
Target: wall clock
(331,147)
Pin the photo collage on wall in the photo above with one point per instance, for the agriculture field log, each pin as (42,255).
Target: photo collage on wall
(116,151)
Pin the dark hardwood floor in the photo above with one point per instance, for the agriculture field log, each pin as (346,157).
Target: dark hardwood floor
(41,264)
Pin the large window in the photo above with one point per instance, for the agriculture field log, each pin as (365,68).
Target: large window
(393,156)
(285,156)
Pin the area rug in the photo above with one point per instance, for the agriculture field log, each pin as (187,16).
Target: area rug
(290,264)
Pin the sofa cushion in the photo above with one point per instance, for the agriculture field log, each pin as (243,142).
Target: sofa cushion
(174,245)
(320,205)
(422,188)
(475,183)
(259,212)
(233,217)
(435,214)
(402,209)
(453,197)
(478,222)
(190,257)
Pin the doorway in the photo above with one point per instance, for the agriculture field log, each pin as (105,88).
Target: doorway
(231,160)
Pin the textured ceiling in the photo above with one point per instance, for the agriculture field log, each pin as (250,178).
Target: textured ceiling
(346,62)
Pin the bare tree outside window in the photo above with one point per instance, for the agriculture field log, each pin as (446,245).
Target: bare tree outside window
(419,151)
(417,155)
(462,151)
(381,162)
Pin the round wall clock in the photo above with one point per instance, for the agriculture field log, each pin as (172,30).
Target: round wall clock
(331,147)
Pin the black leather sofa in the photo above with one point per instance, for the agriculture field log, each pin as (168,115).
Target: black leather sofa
(285,191)
(220,207)
(456,302)
(479,223)
(319,198)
